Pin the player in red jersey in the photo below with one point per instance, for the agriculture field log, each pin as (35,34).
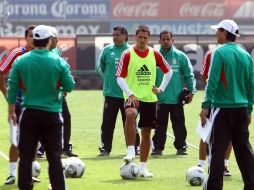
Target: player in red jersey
(5,67)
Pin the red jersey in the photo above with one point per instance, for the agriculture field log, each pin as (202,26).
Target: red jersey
(7,62)
(122,68)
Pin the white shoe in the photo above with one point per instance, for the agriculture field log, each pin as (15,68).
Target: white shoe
(50,187)
(145,174)
(129,158)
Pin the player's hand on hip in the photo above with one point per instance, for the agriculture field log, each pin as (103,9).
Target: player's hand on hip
(132,100)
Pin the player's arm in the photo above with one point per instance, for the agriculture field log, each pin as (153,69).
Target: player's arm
(67,80)
(2,84)
(121,74)
(6,65)
(166,69)
(188,76)
(13,88)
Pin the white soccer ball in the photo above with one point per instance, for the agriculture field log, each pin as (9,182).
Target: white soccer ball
(36,169)
(195,175)
(129,171)
(74,167)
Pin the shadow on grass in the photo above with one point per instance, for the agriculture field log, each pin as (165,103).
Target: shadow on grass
(8,187)
(124,181)
(115,157)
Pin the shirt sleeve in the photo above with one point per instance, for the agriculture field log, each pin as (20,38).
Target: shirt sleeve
(188,75)
(161,62)
(67,80)
(7,62)
(13,84)
(122,67)
(100,65)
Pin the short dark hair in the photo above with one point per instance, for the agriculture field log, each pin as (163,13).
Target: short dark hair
(28,28)
(143,28)
(166,32)
(123,30)
(41,43)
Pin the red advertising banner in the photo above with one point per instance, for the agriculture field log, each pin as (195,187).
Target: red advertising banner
(180,9)
(66,45)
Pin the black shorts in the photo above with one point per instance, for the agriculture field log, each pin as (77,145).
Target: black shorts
(147,114)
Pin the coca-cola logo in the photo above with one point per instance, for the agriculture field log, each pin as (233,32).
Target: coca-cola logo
(211,9)
(144,9)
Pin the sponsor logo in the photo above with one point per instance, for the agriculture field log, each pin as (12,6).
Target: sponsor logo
(62,9)
(143,71)
(208,10)
(144,9)
(143,75)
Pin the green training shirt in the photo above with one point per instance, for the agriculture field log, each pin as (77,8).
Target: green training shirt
(40,74)
(182,75)
(230,83)
(106,68)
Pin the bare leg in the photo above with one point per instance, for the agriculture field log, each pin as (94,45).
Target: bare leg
(145,144)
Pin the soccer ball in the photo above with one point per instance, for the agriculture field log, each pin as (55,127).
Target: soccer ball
(73,167)
(129,171)
(195,175)
(36,169)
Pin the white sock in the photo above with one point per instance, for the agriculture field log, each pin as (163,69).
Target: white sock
(142,166)
(131,150)
(226,163)
(12,167)
(202,163)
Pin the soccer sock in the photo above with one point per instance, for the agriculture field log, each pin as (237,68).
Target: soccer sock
(202,163)
(13,166)
(131,150)
(226,163)
(142,166)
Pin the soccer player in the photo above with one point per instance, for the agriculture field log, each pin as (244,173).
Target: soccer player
(40,74)
(202,145)
(114,100)
(169,101)
(5,67)
(136,74)
(230,95)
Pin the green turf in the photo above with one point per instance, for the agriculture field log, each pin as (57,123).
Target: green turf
(103,173)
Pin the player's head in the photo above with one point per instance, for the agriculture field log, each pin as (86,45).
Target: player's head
(29,36)
(142,36)
(42,37)
(166,39)
(227,30)
(54,37)
(120,35)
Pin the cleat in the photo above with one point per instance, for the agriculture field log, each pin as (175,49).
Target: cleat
(129,158)
(50,187)
(10,180)
(36,180)
(69,154)
(104,153)
(145,174)
(156,152)
(182,151)
(226,172)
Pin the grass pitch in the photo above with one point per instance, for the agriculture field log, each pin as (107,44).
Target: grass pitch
(102,173)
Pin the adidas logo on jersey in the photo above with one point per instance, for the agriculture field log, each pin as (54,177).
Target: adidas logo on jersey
(143,71)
